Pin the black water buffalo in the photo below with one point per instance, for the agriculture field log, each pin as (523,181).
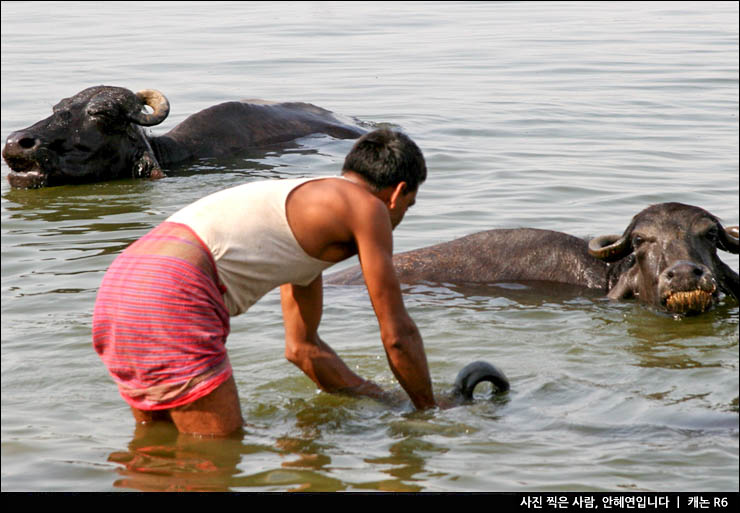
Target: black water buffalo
(667,257)
(98,135)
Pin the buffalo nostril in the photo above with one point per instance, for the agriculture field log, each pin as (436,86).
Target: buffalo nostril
(686,274)
(27,143)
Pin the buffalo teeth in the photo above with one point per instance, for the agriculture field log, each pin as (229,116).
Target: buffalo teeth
(694,301)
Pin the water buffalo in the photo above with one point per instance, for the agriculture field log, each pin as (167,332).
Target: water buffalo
(98,135)
(667,257)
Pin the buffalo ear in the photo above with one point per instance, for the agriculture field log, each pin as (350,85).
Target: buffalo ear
(610,248)
(146,166)
(729,239)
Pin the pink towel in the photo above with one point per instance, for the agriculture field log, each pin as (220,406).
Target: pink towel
(160,323)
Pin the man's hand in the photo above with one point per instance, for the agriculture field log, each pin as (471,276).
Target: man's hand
(302,308)
(393,398)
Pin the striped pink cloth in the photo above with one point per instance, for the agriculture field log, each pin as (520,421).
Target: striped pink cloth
(160,323)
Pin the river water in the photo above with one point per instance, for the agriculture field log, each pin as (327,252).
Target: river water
(570,116)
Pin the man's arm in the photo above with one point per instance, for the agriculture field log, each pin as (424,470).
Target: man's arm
(401,338)
(333,219)
(302,308)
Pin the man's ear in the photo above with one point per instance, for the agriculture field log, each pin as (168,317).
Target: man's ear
(399,190)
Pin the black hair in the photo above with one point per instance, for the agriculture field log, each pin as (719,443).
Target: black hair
(386,158)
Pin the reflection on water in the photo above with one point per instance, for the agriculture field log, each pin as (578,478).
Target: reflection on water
(80,202)
(158,458)
(524,293)
(161,459)
(253,163)
(673,342)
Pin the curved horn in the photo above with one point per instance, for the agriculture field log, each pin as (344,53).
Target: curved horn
(159,104)
(729,239)
(609,248)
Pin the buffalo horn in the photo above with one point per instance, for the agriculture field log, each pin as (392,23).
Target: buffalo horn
(609,247)
(730,239)
(159,104)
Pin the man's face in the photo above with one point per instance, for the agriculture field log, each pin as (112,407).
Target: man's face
(404,201)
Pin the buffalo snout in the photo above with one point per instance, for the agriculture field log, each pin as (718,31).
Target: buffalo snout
(19,150)
(687,288)
(21,153)
(19,143)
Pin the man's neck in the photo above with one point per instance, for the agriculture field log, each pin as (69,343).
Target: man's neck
(358,179)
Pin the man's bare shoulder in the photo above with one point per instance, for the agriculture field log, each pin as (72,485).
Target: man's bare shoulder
(339,196)
(329,217)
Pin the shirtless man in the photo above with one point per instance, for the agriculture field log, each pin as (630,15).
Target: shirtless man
(162,312)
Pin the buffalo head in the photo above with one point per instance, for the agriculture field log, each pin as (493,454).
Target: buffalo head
(93,135)
(667,257)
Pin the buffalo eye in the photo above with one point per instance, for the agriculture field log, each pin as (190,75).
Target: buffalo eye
(63,115)
(712,234)
(99,113)
(637,241)
(103,112)
(107,122)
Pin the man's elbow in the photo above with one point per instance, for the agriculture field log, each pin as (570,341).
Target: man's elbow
(295,354)
(402,338)
(402,345)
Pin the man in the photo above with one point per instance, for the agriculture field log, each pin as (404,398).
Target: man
(162,312)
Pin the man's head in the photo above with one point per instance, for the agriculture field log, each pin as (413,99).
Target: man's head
(385,158)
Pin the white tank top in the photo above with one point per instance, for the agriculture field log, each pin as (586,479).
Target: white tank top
(246,228)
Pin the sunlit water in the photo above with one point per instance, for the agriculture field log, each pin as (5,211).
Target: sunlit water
(565,116)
